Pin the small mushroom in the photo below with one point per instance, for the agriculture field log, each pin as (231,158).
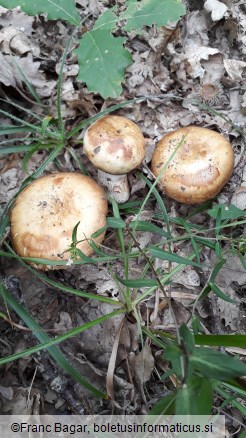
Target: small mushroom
(115,145)
(45,213)
(200,168)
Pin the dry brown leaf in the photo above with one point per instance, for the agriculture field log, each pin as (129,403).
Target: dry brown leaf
(239,198)
(64,324)
(142,364)
(231,274)
(6,392)
(112,363)
(7,75)
(30,68)
(218,10)
(235,68)
(24,402)
(8,184)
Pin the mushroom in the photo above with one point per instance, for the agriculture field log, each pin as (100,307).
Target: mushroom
(200,168)
(45,213)
(115,145)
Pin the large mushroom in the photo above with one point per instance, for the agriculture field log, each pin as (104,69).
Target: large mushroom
(45,213)
(202,165)
(115,145)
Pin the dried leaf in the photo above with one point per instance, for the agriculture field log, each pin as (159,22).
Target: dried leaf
(142,364)
(217,9)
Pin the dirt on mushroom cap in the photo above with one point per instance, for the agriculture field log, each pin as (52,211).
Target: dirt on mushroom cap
(114,144)
(200,168)
(46,212)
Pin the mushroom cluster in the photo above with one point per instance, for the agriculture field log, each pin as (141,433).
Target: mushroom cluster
(115,146)
(45,213)
(202,165)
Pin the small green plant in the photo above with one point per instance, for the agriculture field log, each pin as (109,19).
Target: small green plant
(202,372)
(188,360)
(196,367)
(102,56)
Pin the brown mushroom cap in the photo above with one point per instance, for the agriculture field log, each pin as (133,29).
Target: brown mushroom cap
(46,212)
(200,168)
(114,144)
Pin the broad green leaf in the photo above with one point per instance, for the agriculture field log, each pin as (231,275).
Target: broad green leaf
(106,21)
(165,255)
(115,222)
(74,233)
(83,257)
(55,9)
(173,353)
(147,226)
(202,391)
(216,365)
(98,232)
(185,403)
(196,325)
(102,61)
(188,338)
(164,406)
(102,57)
(226,212)
(221,340)
(148,12)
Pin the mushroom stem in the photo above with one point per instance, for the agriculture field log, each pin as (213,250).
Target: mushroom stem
(117,186)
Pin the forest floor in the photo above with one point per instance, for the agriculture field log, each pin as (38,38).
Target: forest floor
(201,58)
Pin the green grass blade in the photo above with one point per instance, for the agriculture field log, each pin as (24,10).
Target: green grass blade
(59,82)
(159,201)
(148,227)
(221,340)
(58,285)
(165,406)
(191,238)
(48,343)
(214,364)
(165,255)
(115,222)
(9,129)
(14,149)
(232,402)
(109,110)
(22,108)
(221,294)
(77,161)
(28,84)
(138,282)
(34,128)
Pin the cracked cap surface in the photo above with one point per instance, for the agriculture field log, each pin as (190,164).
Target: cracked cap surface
(45,213)
(114,144)
(200,168)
